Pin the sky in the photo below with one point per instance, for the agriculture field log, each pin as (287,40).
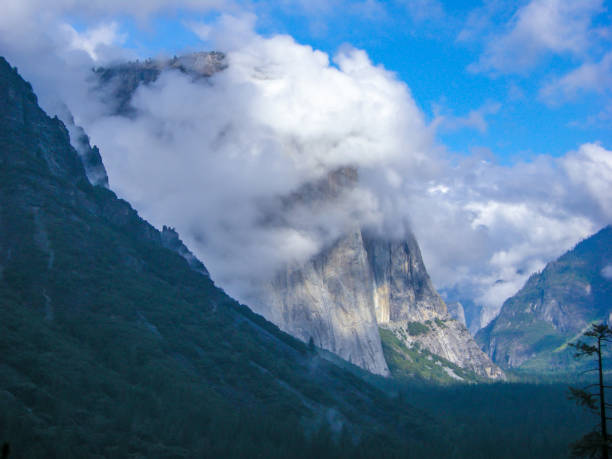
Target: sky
(482,127)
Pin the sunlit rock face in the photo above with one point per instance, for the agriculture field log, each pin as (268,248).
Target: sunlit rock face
(341,296)
(329,299)
(361,282)
(402,288)
(403,295)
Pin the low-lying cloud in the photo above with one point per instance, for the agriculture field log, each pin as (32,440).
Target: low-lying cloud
(220,158)
(224,159)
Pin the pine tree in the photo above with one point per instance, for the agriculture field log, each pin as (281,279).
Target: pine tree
(592,396)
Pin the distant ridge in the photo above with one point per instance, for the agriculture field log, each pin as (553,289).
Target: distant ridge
(535,325)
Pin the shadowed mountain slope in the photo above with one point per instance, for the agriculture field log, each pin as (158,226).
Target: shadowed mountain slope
(112,345)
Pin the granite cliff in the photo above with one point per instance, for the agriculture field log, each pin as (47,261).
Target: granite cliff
(360,283)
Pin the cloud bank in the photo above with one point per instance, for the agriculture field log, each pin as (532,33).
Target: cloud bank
(225,159)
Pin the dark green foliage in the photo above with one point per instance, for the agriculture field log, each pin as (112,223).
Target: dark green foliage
(417,328)
(111,345)
(502,420)
(419,364)
(440,323)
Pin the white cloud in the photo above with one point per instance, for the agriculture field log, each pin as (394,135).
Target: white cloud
(607,272)
(219,158)
(475,119)
(590,171)
(589,77)
(228,32)
(485,228)
(538,29)
(90,41)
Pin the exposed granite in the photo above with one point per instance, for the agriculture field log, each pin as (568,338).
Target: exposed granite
(362,281)
(404,294)
(119,82)
(402,288)
(329,299)
(456,311)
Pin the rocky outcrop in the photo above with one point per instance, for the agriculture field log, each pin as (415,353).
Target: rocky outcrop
(407,304)
(90,155)
(457,312)
(171,240)
(402,288)
(449,339)
(118,83)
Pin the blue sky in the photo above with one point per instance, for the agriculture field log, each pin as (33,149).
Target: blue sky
(432,46)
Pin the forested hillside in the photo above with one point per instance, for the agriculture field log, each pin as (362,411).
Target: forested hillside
(112,345)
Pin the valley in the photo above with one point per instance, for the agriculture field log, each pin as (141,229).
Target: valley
(117,341)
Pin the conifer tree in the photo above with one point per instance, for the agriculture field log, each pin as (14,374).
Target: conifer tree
(592,396)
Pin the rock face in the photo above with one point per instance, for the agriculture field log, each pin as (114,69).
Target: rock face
(456,312)
(329,299)
(119,82)
(535,325)
(361,282)
(405,299)
(402,288)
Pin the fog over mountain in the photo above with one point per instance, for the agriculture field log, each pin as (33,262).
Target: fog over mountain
(218,157)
